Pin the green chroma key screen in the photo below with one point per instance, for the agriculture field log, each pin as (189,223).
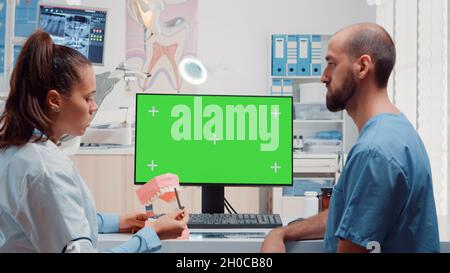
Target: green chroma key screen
(209,139)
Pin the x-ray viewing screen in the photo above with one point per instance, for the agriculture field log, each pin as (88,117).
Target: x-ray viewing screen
(82,29)
(208,139)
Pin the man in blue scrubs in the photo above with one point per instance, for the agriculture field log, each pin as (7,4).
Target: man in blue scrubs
(383,200)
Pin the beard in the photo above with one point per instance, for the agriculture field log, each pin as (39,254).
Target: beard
(337,100)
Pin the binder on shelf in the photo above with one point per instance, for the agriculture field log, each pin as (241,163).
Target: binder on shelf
(279,55)
(276,88)
(287,87)
(292,53)
(304,55)
(316,55)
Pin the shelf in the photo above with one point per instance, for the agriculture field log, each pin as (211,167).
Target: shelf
(318,121)
(304,155)
(297,77)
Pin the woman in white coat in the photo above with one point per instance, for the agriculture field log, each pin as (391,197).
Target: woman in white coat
(45,205)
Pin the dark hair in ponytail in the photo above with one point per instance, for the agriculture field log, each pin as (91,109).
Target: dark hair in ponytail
(41,66)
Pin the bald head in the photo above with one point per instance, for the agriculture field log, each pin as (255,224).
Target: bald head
(373,40)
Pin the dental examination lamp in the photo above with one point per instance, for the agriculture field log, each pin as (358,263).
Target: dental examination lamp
(105,84)
(192,71)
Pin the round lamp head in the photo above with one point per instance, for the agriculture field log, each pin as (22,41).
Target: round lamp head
(192,71)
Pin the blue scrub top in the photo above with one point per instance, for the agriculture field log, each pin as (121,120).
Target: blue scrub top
(385,193)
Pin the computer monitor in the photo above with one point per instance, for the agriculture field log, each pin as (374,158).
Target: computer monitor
(82,29)
(214,141)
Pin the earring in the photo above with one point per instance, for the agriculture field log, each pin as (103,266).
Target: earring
(56,109)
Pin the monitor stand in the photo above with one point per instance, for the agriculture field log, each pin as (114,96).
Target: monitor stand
(213,199)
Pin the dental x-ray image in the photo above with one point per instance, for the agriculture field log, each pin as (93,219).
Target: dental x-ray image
(69,30)
(79,28)
(76,33)
(53,24)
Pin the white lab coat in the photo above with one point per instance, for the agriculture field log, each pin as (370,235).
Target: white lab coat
(44,202)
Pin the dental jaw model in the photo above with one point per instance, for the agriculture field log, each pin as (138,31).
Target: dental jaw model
(161,187)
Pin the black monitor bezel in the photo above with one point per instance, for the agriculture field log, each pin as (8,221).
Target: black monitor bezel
(242,184)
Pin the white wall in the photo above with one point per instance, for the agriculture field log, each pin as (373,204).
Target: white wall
(419,85)
(448,105)
(234,36)
(114,49)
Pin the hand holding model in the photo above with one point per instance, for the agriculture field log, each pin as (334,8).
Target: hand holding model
(169,226)
(132,222)
(172,225)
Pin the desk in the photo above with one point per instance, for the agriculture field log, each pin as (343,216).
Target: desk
(213,245)
(252,244)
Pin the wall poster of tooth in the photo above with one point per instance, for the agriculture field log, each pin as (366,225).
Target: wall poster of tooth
(159,34)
